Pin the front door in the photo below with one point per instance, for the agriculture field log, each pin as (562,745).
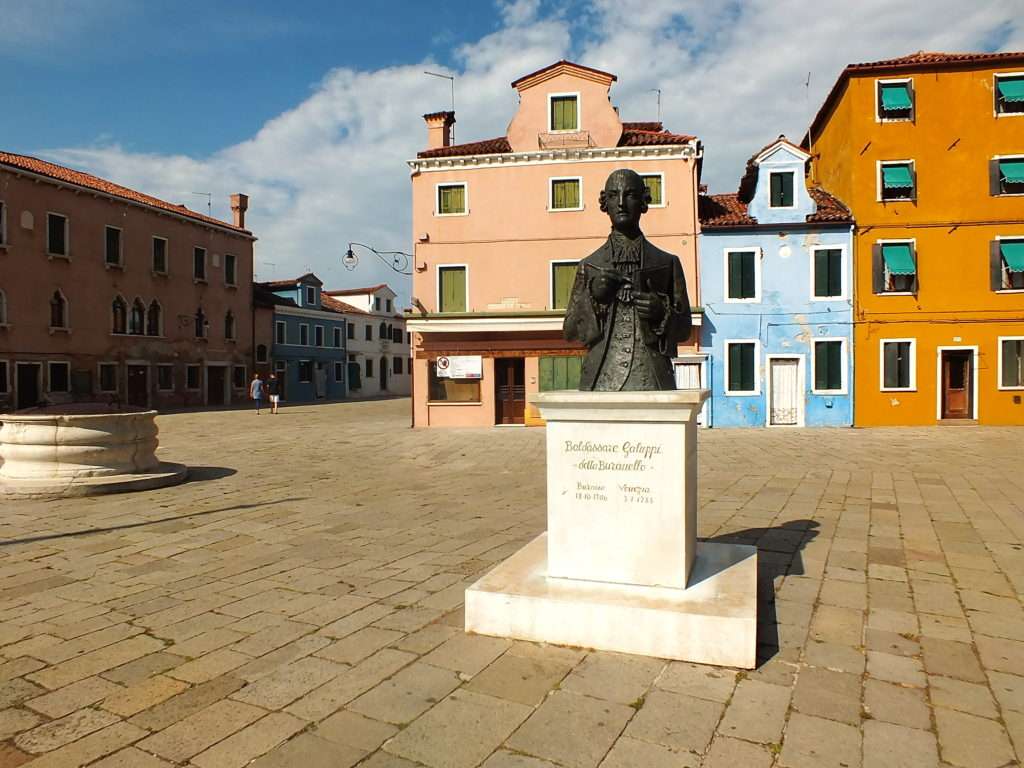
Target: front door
(29,375)
(784,408)
(216,381)
(510,390)
(957,400)
(137,389)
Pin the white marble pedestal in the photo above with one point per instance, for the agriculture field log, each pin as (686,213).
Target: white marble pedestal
(620,568)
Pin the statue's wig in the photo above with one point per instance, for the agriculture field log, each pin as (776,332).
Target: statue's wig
(627,176)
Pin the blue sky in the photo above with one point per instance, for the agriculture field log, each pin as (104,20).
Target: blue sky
(313,108)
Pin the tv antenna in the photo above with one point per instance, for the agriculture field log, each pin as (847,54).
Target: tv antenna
(451,79)
(209,201)
(657,91)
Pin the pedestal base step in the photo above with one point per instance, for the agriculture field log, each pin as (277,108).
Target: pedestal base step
(167,473)
(712,621)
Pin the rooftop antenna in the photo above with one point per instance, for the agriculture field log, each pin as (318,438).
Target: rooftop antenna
(658,91)
(209,201)
(266,264)
(450,78)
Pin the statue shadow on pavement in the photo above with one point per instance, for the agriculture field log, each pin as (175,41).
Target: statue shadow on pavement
(778,554)
(199,474)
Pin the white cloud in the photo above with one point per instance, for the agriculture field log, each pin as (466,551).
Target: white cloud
(332,169)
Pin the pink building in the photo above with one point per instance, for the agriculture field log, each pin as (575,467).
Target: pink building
(499,226)
(108,294)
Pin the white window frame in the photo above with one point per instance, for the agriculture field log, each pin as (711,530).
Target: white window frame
(881,366)
(158,367)
(796,203)
(975,384)
(234,282)
(551,193)
(49,382)
(167,256)
(437,281)
(917,266)
(549,118)
(206,266)
(67,236)
(843,266)
(878,100)
(336,337)
(664,195)
(1013,239)
(997,158)
(306,295)
(323,335)
(551,277)
(844,366)
(758,259)
(437,197)
(301,327)
(999,370)
(120,247)
(756,391)
(339,366)
(99,377)
(879,164)
(199,378)
(995,94)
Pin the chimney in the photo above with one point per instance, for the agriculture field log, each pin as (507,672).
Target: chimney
(439,129)
(239,205)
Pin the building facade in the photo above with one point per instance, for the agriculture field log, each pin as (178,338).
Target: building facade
(110,295)
(928,152)
(776,284)
(499,227)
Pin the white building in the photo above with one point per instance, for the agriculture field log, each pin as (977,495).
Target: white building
(379,361)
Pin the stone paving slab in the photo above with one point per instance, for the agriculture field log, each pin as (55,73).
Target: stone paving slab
(298,603)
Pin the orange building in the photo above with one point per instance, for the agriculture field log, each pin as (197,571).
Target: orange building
(499,226)
(928,152)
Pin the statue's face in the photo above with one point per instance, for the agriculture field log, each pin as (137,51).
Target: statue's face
(625,200)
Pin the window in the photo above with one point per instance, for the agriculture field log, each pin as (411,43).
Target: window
(238,377)
(1011,362)
(445,390)
(305,371)
(829,366)
(112,248)
(165,378)
(58,311)
(339,371)
(318,336)
(199,264)
(310,295)
(230,269)
(56,234)
(557,373)
(565,195)
(564,112)
(304,335)
(451,200)
(898,364)
(408,337)
(451,289)
(1006,175)
(655,183)
(351,358)
(3,308)
(389,305)
(279,331)
(261,353)
(4,378)
(396,335)
(897,181)
(192,376)
(742,274)
(336,337)
(108,377)
(201,324)
(895,267)
(741,375)
(369,368)
(1007,264)
(369,333)
(350,331)
(781,185)
(59,377)
(154,318)
(229,325)
(382,332)
(396,365)
(1010,94)
(376,304)
(827,278)
(119,315)
(137,318)
(563,274)
(160,255)
(894,100)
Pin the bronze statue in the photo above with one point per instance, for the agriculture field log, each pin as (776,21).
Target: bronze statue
(628,303)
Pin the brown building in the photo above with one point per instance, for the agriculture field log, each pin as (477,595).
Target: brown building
(108,294)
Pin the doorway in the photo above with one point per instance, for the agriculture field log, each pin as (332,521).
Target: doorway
(281,369)
(958,384)
(383,373)
(137,385)
(509,390)
(216,384)
(785,392)
(29,382)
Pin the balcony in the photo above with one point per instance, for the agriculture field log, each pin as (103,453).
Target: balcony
(565,140)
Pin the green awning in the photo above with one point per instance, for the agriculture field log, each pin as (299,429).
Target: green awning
(897,177)
(1013,254)
(895,97)
(1012,170)
(1011,89)
(898,259)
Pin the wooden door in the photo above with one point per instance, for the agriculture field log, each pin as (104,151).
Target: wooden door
(137,386)
(957,400)
(784,409)
(216,381)
(509,390)
(28,375)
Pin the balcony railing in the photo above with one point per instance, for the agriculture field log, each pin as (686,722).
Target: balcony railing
(565,140)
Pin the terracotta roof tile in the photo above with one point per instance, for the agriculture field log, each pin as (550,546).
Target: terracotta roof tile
(496,146)
(648,126)
(564,63)
(357,291)
(332,304)
(634,138)
(722,211)
(81,179)
(308,277)
(442,113)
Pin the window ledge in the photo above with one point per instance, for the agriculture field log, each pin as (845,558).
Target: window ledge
(198,281)
(4,246)
(231,285)
(565,210)
(1010,290)
(753,393)
(444,403)
(59,330)
(889,389)
(896,293)
(108,265)
(58,257)
(155,273)
(202,339)
(231,341)
(447,215)
(829,392)
(1001,388)
(1009,114)
(1009,194)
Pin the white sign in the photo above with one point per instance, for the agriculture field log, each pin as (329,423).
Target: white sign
(460,367)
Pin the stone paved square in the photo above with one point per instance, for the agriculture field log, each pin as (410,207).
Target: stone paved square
(298,603)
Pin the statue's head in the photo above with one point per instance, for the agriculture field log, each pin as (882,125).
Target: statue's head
(625,199)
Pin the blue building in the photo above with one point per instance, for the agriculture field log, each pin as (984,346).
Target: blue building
(776,285)
(308,339)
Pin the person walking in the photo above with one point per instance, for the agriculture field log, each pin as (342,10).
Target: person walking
(274,390)
(256,391)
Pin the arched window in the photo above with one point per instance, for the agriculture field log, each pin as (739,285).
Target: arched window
(119,315)
(58,310)
(154,319)
(137,318)
(3,308)
(200,324)
(229,325)
(261,353)
(384,330)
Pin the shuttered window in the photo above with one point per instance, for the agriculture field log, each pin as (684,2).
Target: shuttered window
(898,181)
(564,113)
(559,373)
(1011,369)
(740,375)
(1009,94)
(828,366)
(895,101)
(828,273)
(781,189)
(565,194)
(56,234)
(897,364)
(453,289)
(451,199)
(742,267)
(653,182)
(562,277)
(112,255)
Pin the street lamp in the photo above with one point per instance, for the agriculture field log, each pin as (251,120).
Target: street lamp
(399,261)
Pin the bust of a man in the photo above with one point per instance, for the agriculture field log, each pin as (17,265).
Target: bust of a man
(628,303)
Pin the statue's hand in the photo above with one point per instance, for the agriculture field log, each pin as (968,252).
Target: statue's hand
(649,307)
(605,285)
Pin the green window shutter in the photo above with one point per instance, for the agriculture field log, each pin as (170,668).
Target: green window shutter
(562,278)
(546,381)
(741,274)
(1012,171)
(1013,254)
(452,199)
(653,184)
(563,113)
(747,358)
(1012,374)
(835,273)
(735,374)
(890,357)
(828,365)
(749,289)
(453,289)
(741,367)
(735,276)
(828,274)
(899,260)
(897,177)
(781,190)
(574,367)
(1011,88)
(821,273)
(896,97)
(565,193)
